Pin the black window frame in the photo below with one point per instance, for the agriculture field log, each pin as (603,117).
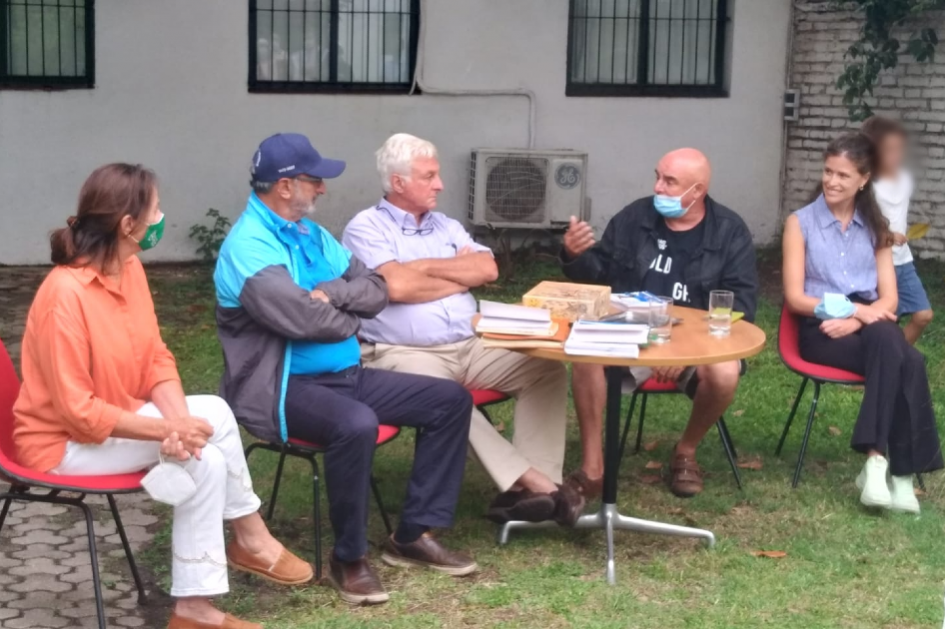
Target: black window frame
(332,85)
(717,89)
(48,82)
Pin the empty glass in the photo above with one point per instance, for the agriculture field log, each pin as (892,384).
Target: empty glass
(721,303)
(660,319)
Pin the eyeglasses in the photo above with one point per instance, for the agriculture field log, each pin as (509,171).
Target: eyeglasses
(409,231)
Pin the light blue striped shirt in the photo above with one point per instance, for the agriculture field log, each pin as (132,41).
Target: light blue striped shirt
(386,233)
(837,261)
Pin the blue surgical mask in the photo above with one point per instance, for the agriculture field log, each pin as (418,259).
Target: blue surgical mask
(671,207)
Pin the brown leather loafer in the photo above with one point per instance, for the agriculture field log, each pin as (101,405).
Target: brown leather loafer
(569,505)
(429,553)
(590,488)
(288,570)
(229,622)
(522,505)
(685,480)
(356,581)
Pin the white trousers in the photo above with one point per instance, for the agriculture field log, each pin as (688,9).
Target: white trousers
(224,492)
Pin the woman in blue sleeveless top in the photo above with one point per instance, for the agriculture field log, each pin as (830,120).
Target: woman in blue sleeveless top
(839,278)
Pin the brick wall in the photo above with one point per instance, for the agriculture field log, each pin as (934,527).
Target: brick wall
(913,92)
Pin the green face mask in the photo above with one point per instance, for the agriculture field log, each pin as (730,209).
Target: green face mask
(152,235)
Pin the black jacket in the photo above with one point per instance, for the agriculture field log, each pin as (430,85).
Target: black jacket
(724,261)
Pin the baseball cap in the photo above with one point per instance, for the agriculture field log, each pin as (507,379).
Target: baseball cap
(288,155)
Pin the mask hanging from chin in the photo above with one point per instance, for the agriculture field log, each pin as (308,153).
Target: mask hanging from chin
(671,207)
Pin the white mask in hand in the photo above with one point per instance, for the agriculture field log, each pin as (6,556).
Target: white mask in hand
(169,483)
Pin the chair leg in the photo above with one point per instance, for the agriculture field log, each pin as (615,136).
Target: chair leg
(918,477)
(380,505)
(636,449)
(626,426)
(810,423)
(729,450)
(4,511)
(787,426)
(275,486)
(317,515)
(93,560)
(142,597)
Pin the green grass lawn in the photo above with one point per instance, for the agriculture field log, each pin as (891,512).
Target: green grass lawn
(845,567)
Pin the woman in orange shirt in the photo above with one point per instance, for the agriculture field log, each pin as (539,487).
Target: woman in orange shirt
(101,395)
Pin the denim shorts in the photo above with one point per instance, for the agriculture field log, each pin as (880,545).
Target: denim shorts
(912,297)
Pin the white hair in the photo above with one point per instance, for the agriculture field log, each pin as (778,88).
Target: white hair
(397,154)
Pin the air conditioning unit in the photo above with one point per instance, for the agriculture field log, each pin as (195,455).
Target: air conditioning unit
(523,188)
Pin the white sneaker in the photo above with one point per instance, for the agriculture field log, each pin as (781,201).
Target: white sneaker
(902,494)
(872,482)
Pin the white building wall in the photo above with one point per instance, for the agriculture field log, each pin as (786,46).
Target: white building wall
(171,93)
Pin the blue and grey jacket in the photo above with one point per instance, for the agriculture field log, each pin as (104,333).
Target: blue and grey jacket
(262,309)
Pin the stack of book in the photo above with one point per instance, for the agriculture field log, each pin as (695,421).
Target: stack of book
(598,338)
(519,327)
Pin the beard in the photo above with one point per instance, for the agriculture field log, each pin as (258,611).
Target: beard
(302,207)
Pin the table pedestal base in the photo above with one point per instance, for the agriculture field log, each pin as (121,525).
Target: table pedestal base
(610,520)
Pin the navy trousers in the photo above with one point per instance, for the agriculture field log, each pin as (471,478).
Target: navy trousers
(342,412)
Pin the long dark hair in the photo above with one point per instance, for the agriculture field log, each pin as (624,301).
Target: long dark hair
(861,151)
(109,194)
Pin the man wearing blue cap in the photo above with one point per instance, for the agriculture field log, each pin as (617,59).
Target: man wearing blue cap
(290,299)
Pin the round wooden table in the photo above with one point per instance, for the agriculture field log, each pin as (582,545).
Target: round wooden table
(690,345)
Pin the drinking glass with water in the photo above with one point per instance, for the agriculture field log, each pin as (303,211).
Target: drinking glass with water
(721,303)
(661,319)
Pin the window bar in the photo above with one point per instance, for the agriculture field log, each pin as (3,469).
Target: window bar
(75,38)
(698,32)
(384,42)
(415,18)
(333,42)
(643,50)
(42,38)
(367,38)
(4,40)
(351,44)
(26,48)
(272,41)
(587,39)
(600,36)
(613,41)
(682,54)
(626,72)
(59,34)
(253,45)
(305,13)
(669,39)
(90,41)
(569,62)
(721,19)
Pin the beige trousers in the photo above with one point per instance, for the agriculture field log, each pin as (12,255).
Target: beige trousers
(540,388)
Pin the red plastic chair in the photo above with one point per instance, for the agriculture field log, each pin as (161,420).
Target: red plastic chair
(788,347)
(308,451)
(22,480)
(483,398)
(653,387)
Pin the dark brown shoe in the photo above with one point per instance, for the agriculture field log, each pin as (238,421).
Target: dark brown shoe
(569,505)
(590,488)
(522,505)
(685,480)
(356,582)
(429,553)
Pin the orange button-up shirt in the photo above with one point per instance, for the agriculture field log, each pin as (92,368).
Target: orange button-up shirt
(91,354)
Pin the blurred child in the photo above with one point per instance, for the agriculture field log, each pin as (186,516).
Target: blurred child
(893,186)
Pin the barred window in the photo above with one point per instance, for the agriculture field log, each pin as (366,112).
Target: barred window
(47,43)
(647,47)
(332,45)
